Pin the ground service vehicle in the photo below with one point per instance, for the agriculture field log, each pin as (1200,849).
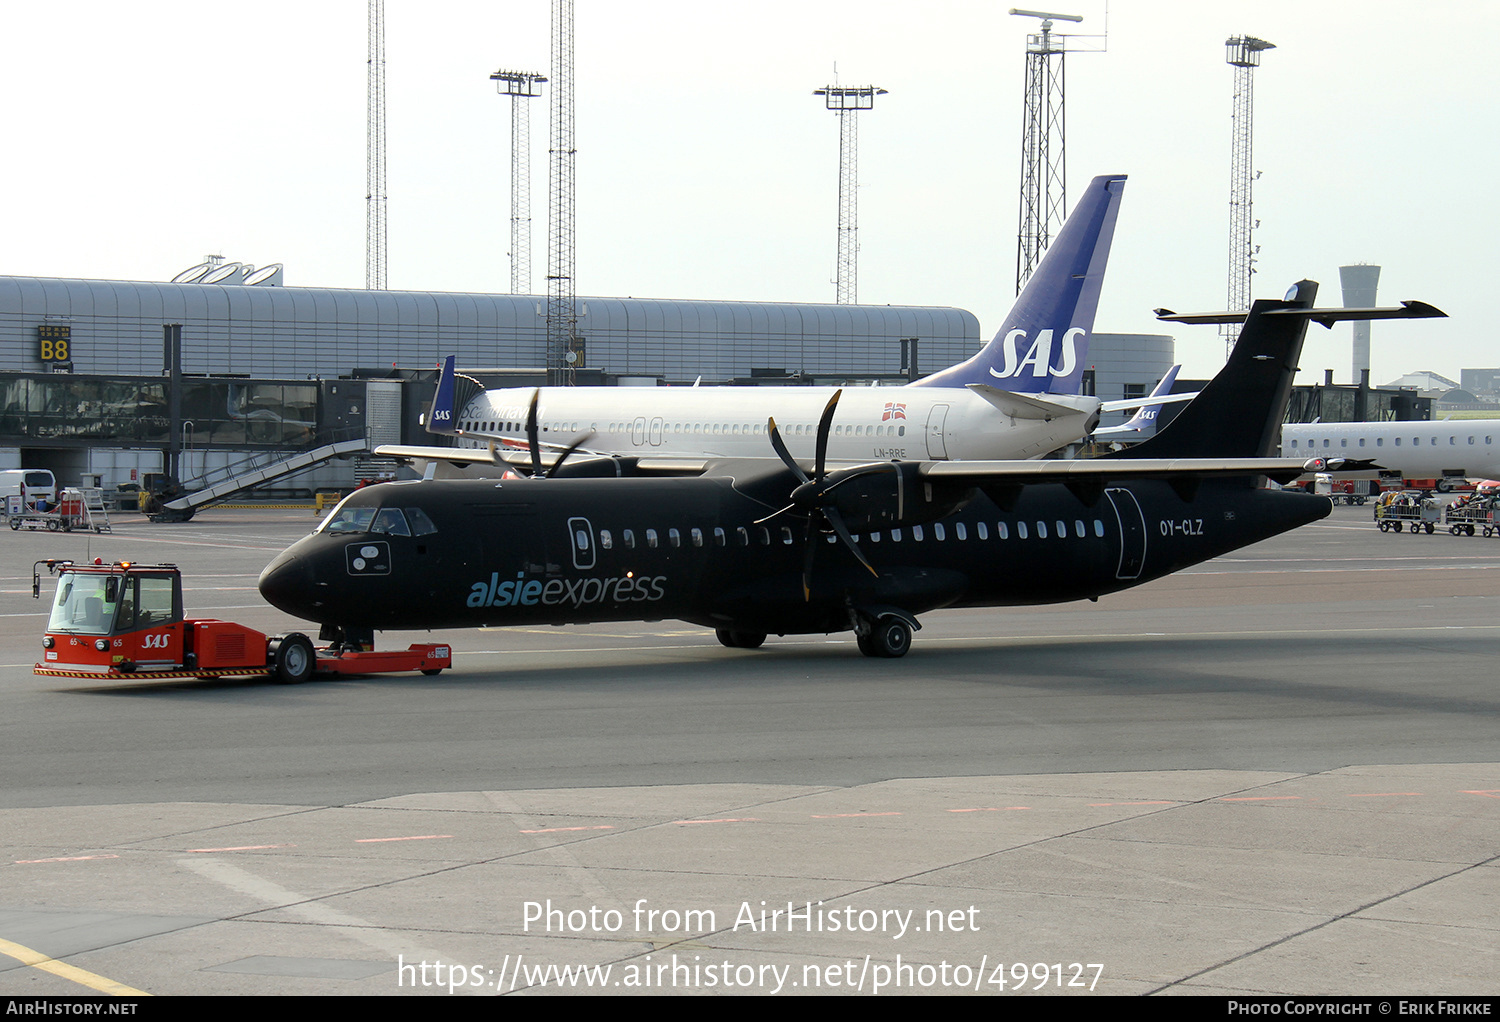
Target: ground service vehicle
(126,620)
(1411,508)
(1474,511)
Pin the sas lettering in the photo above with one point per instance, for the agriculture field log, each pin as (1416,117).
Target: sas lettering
(1039,356)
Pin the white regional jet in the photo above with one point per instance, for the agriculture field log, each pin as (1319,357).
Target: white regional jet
(1449,451)
(1016,398)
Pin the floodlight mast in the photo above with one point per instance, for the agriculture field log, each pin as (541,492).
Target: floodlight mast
(519,86)
(847,102)
(1044,163)
(1243,54)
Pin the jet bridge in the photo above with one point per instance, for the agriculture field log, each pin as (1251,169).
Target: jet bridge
(181,509)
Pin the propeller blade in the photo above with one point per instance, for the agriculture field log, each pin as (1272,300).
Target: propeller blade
(837,522)
(781,449)
(533,440)
(825,426)
(583,439)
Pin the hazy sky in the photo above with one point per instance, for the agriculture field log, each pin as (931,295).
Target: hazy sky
(144,136)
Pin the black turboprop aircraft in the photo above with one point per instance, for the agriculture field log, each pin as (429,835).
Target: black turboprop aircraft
(757,547)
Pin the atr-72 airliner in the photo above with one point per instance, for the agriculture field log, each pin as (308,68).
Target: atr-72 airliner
(752,548)
(1016,398)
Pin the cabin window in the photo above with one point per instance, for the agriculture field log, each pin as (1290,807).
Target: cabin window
(786,535)
(718,536)
(982,529)
(675,538)
(874,537)
(937,532)
(1361,441)
(1020,530)
(1343,441)
(1398,441)
(629,535)
(606,540)
(1471,441)
(1041,530)
(765,536)
(895,535)
(1380,441)
(1099,527)
(697,535)
(916,533)
(1325,443)
(651,539)
(1002,531)
(960,531)
(743,534)
(1078,530)
(1062,530)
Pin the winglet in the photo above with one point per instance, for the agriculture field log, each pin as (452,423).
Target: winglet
(441,419)
(1042,347)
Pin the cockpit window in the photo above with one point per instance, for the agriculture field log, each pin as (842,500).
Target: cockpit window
(421,525)
(348,519)
(389,521)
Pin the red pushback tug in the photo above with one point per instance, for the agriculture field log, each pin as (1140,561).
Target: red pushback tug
(126,620)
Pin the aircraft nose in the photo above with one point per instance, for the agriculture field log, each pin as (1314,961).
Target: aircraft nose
(286,584)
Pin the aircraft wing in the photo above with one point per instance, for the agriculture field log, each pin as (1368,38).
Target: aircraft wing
(482,463)
(1101,470)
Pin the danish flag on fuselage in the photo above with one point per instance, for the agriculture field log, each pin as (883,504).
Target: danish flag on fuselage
(1042,348)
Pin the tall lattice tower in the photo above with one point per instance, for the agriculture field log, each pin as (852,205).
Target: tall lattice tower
(375,152)
(520,86)
(1044,155)
(847,103)
(562,291)
(1243,54)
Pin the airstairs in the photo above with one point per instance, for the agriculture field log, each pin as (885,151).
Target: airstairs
(180,509)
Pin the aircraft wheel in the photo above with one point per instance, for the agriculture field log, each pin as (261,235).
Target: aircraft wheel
(890,638)
(736,639)
(292,658)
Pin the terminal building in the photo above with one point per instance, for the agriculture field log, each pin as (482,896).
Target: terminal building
(267,370)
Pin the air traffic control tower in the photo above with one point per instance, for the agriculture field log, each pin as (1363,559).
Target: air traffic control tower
(1359,293)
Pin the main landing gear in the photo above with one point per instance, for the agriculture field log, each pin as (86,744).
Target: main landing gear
(884,632)
(736,639)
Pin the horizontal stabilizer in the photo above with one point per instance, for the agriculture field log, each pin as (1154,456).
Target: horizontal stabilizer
(1326,317)
(1021,406)
(1145,402)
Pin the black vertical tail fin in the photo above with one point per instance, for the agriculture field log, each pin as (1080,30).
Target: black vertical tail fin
(1239,413)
